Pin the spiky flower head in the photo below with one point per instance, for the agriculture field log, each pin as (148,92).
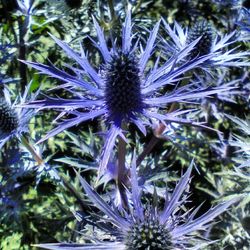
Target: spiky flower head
(140,228)
(14,119)
(122,93)
(148,234)
(204,30)
(209,42)
(8,118)
(121,89)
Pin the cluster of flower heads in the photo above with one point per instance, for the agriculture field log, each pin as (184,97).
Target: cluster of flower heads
(122,89)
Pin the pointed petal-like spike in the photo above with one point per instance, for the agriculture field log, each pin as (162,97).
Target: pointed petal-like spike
(150,45)
(204,219)
(108,147)
(140,125)
(120,222)
(168,77)
(102,42)
(97,246)
(199,93)
(83,62)
(59,74)
(126,34)
(178,191)
(50,102)
(72,122)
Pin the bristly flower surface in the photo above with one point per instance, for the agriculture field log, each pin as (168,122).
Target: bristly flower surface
(205,31)
(122,90)
(14,119)
(143,226)
(210,43)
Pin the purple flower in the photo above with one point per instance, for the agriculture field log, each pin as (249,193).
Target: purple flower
(14,119)
(122,90)
(217,46)
(145,226)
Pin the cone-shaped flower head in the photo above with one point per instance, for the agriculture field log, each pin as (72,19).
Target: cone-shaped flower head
(210,42)
(8,118)
(122,78)
(14,119)
(121,89)
(140,228)
(148,234)
(204,30)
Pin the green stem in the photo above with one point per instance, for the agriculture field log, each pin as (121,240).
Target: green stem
(31,149)
(112,10)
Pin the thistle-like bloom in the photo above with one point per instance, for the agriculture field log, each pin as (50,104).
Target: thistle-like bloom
(209,43)
(205,31)
(143,226)
(14,120)
(122,90)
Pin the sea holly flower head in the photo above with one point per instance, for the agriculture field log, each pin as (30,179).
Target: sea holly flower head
(122,78)
(210,43)
(8,118)
(14,119)
(204,30)
(122,89)
(145,226)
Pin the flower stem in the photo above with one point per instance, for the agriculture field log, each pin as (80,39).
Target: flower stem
(31,149)
(122,172)
(155,138)
(112,10)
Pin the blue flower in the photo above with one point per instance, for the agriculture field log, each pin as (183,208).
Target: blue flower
(215,45)
(144,226)
(14,119)
(122,90)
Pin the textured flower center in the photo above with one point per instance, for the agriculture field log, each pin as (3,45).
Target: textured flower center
(148,235)
(74,3)
(8,118)
(122,86)
(203,29)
